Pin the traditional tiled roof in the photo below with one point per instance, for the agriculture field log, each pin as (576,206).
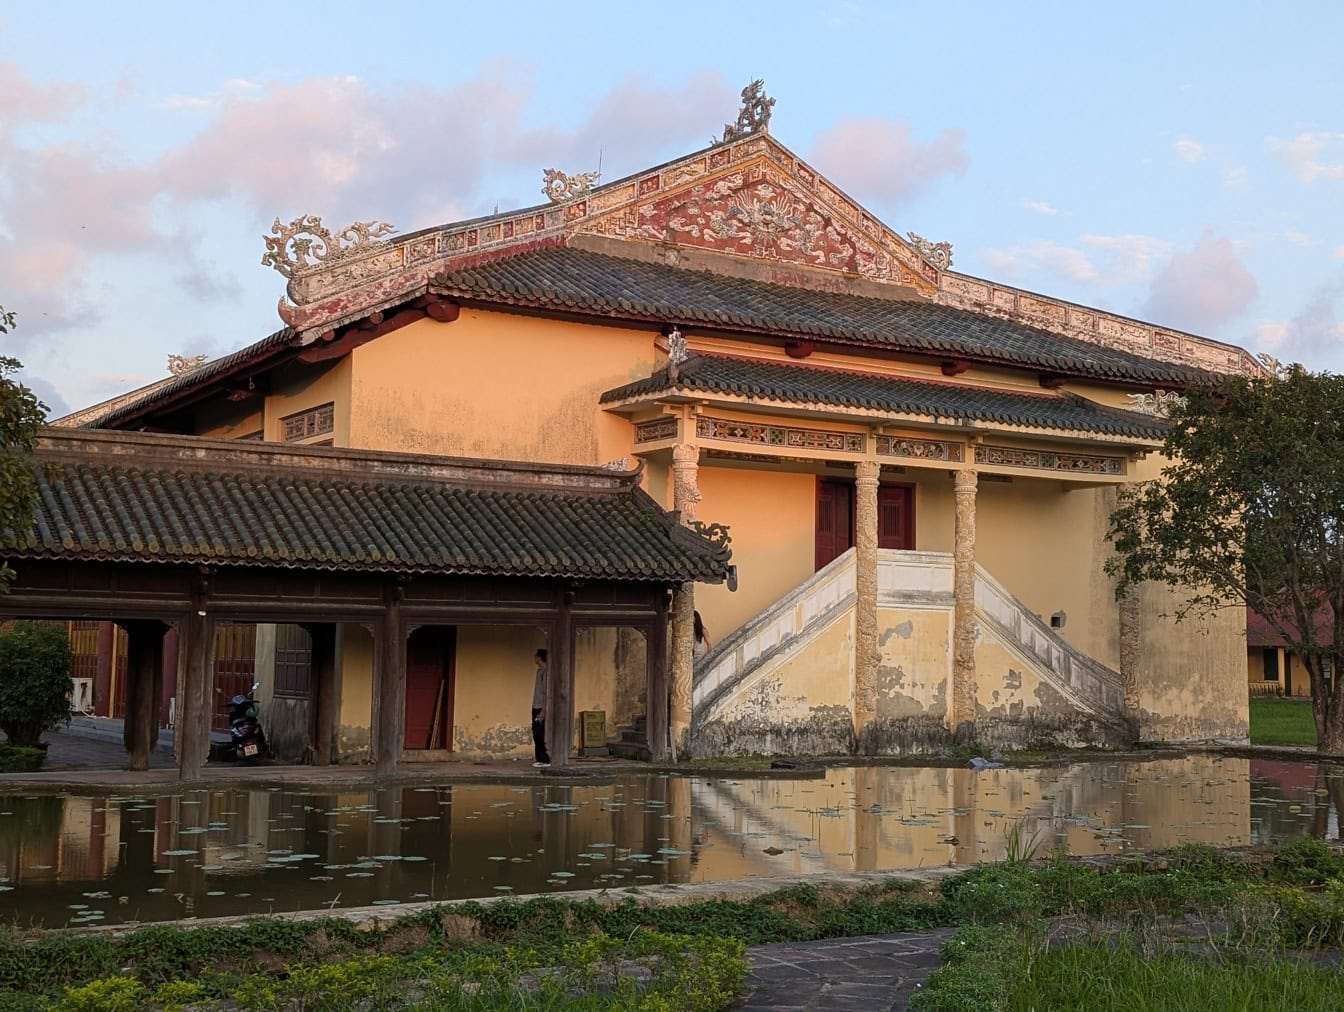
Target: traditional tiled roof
(161,391)
(797,384)
(572,280)
(136,498)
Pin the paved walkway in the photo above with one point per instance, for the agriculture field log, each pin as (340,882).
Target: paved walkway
(878,972)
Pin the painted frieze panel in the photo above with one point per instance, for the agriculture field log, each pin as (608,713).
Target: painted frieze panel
(656,429)
(920,449)
(784,436)
(758,210)
(1044,460)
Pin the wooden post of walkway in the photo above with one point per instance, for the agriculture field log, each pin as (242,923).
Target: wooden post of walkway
(390,685)
(321,692)
(656,689)
(195,691)
(144,684)
(560,682)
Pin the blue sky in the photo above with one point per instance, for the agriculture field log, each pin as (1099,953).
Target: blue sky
(1179,162)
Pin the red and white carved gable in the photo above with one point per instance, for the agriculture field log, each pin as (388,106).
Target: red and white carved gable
(755,200)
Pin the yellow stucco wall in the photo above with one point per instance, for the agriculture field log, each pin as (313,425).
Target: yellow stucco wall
(772,520)
(1299,678)
(354,656)
(493,681)
(496,385)
(300,389)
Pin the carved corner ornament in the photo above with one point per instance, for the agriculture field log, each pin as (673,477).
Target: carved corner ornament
(179,364)
(937,253)
(677,354)
(1158,404)
(716,534)
(1273,366)
(559,187)
(305,242)
(753,118)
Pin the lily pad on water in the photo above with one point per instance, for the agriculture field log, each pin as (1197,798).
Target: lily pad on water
(179,853)
(414,857)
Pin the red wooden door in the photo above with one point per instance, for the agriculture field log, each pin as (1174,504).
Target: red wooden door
(835,519)
(429,688)
(895,517)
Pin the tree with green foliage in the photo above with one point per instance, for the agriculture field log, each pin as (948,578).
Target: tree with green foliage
(35,663)
(21,416)
(1250,511)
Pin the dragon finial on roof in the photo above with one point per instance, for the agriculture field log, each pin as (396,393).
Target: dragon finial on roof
(754,116)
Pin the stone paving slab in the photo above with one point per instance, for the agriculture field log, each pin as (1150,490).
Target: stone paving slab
(877,972)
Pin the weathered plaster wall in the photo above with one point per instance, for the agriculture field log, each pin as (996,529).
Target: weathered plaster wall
(493,680)
(772,520)
(798,705)
(611,675)
(285,720)
(354,661)
(497,386)
(1192,674)
(912,678)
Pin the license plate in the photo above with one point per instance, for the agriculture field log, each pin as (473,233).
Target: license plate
(249,750)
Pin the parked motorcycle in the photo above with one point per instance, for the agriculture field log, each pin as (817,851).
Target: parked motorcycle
(247,740)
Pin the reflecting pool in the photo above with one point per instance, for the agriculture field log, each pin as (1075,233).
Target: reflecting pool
(206,853)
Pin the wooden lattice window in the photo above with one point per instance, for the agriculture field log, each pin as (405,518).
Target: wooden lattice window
(317,421)
(293,661)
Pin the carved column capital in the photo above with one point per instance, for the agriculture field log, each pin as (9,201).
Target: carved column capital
(686,481)
(964,482)
(867,472)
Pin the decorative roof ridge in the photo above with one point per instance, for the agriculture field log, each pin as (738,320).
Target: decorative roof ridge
(202,454)
(114,408)
(1088,323)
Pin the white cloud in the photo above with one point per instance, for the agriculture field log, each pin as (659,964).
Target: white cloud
(1042,207)
(1271,334)
(1188,150)
(879,159)
(1339,252)
(1201,288)
(1311,156)
(1297,238)
(1099,260)
(1235,177)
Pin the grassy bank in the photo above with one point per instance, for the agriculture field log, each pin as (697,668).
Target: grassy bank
(546,953)
(1282,722)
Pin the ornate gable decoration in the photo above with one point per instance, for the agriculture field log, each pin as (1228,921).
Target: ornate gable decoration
(754,199)
(746,195)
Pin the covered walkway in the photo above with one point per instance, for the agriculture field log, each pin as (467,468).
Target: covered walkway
(157,532)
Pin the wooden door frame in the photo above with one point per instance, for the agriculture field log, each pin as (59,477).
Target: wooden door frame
(910,528)
(447,635)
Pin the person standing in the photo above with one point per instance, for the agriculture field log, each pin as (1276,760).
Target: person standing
(702,644)
(542,757)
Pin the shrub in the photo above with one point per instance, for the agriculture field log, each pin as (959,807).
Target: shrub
(20,758)
(35,686)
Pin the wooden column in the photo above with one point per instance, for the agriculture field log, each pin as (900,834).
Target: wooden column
(685,500)
(195,691)
(144,680)
(961,708)
(560,683)
(866,654)
(322,706)
(389,686)
(656,693)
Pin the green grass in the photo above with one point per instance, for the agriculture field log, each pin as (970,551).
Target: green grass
(1282,722)
(1101,975)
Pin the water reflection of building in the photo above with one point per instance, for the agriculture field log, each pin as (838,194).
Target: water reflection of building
(212,853)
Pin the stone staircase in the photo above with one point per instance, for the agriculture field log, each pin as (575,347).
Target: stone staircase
(633,742)
(777,656)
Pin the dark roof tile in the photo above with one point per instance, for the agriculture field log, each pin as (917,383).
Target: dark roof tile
(569,277)
(114,510)
(795,384)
